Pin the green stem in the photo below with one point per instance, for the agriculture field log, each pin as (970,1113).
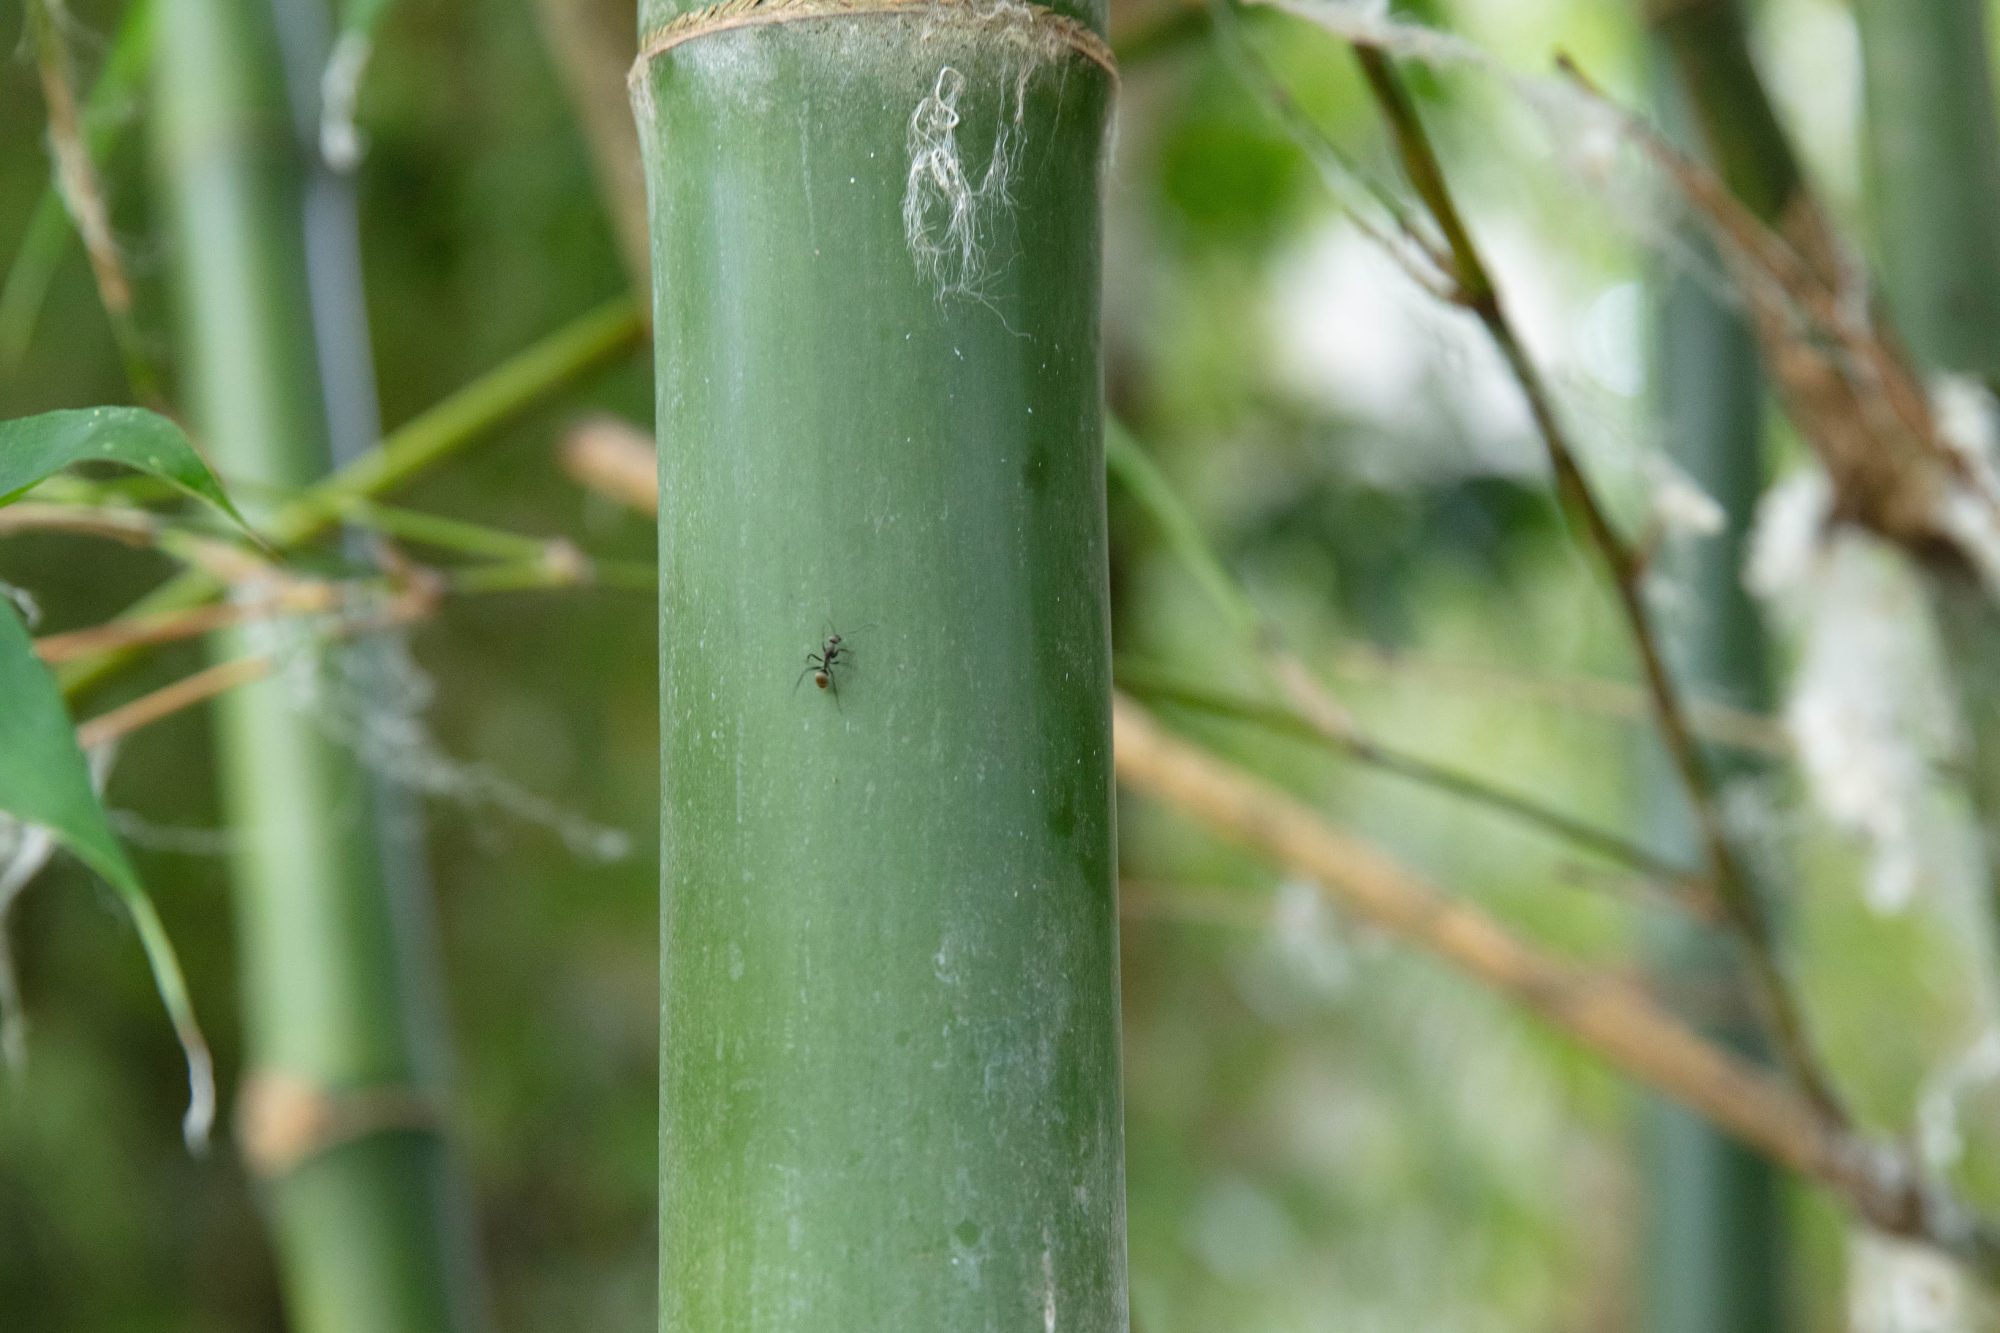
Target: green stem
(434,437)
(1141,478)
(879,402)
(1932,137)
(1715,1223)
(338,999)
(1149,682)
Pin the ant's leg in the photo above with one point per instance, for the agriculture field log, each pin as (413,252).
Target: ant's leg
(801,680)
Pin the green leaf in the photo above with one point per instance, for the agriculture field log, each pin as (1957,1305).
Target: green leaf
(45,780)
(32,449)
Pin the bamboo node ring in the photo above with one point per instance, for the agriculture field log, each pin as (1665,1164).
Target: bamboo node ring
(283,1121)
(1045,24)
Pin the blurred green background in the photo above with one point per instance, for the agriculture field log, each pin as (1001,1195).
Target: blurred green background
(1325,1131)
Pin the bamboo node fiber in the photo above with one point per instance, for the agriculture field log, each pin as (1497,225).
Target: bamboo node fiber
(1047,25)
(283,1122)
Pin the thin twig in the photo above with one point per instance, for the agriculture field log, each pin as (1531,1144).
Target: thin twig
(82,190)
(1187,904)
(223,560)
(415,599)
(169,699)
(1612,1018)
(43,242)
(1669,883)
(173,627)
(1478,293)
(1717,723)
(1414,250)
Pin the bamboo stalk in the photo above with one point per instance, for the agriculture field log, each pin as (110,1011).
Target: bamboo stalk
(1714,1217)
(889,1094)
(365,1225)
(1932,139)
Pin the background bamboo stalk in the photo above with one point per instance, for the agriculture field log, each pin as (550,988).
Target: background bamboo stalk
(1715,1220)
(890,1086)
(1933,151)
(366,1228)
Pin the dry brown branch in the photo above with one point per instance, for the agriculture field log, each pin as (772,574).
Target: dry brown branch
(133,527)
(226,561)
(1610,1017)
(299,597)
(416,599)
(82,192)
(186,692)
(171,627)
(618,461)
(1845,381)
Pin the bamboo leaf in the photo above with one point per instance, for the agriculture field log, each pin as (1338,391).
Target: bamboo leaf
(45,781)
(33,449)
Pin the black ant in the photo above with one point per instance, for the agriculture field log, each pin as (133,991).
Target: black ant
(822,664)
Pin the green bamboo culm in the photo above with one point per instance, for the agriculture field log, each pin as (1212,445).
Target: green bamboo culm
(1933,149)
(889,1061)
(339,1109)
(1715,1215)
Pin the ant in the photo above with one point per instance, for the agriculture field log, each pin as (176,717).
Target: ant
(833,650)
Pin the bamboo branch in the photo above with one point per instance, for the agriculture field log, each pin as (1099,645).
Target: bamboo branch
(42,244)
(82,192)
(615,459)
(186,692)
(1612,1019)
(170,627)
(427,440)
(1716,723)
(1670,884)
(1478,293)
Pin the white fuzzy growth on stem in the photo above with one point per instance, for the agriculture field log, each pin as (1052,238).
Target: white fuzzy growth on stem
(947,220)
(1863,702)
